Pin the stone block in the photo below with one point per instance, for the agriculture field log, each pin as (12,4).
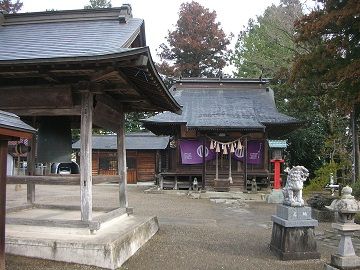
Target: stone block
(345,262)
(294,243)
(294,223)
(293,213)
(109,248)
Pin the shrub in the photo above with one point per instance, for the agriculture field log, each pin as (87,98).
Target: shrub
(322,177)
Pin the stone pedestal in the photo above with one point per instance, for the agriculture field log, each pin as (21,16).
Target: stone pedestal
(345,258)
(293,235)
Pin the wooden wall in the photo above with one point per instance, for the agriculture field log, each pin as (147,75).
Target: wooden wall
(141,164)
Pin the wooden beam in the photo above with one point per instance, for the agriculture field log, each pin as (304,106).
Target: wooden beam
(121,155)
(109,73)
(3,166)
(85,156)
(109,102)
(56,179)
(51,111)
(37,98)
(15,133)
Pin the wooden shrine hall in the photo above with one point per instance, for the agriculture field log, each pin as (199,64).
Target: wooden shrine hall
(77,69)
(221,138)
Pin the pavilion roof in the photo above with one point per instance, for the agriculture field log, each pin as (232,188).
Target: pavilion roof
(59,54)
(63,34)
(222,104)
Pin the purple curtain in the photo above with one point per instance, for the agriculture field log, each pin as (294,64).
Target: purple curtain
(192,150)
(255,153)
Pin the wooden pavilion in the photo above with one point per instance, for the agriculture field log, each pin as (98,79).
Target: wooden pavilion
(11,128)
(221,137)
(77,69)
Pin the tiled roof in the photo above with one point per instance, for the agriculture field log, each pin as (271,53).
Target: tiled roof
(12,121)
(248,106)
(60,34)
(133,141)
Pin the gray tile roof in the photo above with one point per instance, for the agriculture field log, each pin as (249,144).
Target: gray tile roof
(247,106)
(133,141)
(66,34)
(12,121)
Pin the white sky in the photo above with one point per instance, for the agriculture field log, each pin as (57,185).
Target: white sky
(161,15)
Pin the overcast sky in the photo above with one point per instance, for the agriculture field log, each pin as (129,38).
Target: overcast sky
(161,15)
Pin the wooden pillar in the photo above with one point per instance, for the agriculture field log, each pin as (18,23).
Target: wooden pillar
(31,170)
(121,155)
(204,163)
(3,166)
(230,176)
(85,156)
(158,161)
(217,166)
(245,161)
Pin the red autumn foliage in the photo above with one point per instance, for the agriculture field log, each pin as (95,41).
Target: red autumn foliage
(197,46)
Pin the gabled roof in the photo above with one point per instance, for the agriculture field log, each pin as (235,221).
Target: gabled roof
(133,141)
(71,33)
(13,122)
(99,50)
(222,104)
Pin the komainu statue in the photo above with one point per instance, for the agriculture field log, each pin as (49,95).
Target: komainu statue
(294,185)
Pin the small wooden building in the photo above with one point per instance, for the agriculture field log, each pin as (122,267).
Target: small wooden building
(143,155)
(221,137)
(11,128)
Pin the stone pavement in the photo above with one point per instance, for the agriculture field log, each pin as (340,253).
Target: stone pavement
(217,233)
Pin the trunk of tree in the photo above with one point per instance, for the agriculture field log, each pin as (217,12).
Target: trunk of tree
(355,143)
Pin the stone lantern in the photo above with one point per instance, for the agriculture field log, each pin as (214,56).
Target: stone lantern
(346,208)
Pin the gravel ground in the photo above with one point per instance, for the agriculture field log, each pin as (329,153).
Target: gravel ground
(194,233)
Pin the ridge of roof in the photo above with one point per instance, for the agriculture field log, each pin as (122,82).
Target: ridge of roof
(222,80)
(62,16)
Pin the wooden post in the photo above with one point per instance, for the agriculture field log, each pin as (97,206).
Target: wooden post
(217,166)
(204,163)
(85,156)
(31,170)
(230,176)
(245,161)
(121,155)
(158,161)
(3,166)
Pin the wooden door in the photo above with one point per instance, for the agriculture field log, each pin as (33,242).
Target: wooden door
(131,170)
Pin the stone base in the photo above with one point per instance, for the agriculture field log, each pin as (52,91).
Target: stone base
(293,236)
(276,196)
(294,243)
(345,262)
(109,248)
